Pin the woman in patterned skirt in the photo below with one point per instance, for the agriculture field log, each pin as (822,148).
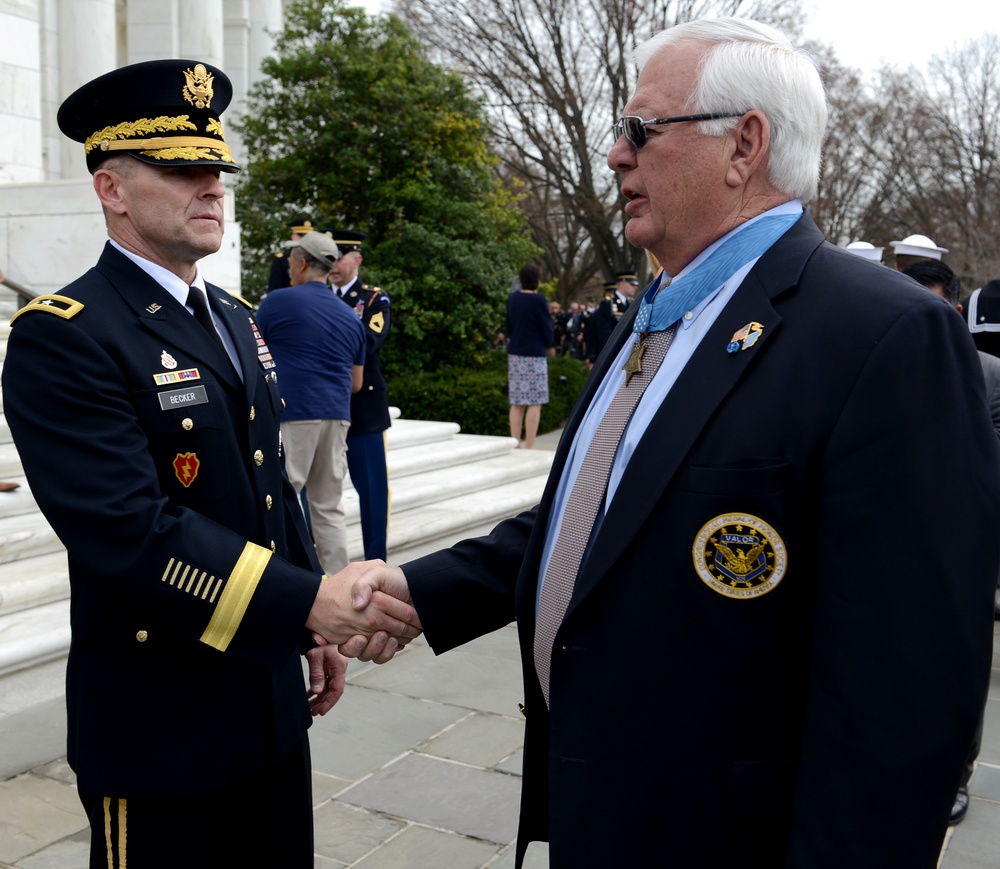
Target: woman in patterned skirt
(530,335)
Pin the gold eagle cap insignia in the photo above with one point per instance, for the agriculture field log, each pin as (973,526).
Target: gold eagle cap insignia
(198,90)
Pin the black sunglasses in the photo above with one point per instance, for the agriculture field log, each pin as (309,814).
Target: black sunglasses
(633,128)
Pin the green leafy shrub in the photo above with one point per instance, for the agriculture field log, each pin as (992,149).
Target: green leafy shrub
(477,400)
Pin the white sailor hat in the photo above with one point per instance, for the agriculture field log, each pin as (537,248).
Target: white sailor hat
(917,245)
(865,250)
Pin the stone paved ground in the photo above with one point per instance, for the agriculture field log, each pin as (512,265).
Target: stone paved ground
(418,767)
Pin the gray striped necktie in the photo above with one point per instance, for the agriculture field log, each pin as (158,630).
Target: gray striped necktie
(586,496)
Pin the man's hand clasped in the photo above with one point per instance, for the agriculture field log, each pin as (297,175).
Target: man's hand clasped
(366,611)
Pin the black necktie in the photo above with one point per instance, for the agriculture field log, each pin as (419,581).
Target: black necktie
(196,299)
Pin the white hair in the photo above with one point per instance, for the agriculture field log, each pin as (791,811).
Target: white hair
(754,66)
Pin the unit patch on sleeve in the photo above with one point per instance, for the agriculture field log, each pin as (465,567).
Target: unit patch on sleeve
(186,468)
(739,556)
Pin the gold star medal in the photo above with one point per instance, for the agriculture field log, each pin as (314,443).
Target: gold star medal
(633,365)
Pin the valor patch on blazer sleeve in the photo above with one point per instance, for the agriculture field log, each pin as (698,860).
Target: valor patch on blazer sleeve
(739,556)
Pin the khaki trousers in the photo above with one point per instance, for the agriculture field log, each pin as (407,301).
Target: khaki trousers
(316,458)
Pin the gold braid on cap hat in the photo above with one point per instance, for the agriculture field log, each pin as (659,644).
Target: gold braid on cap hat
(143,127)
(118,138)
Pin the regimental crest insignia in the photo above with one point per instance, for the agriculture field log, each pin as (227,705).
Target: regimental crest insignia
(739,556)
(186,468)
(198,90)
(167,361)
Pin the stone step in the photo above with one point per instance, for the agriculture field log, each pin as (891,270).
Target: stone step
(20,500)
(445,522)
(33,636)
(25,536)
(446,484)
(457,450)
(10,461)
(448,505)
(405,433)
(34,582)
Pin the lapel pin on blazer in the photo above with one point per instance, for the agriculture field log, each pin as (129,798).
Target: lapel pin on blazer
(745,338)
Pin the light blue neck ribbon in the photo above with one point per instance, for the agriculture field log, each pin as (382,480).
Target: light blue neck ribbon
(662,306)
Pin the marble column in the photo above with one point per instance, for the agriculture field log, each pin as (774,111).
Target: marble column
(248,28)
(151,30)
(87,49)
(266,18)
(185,28)
(200,32)
(20,95)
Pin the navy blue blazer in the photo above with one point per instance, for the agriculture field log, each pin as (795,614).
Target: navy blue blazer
(701,710)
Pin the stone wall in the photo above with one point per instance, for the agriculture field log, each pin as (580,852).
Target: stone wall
(51,227)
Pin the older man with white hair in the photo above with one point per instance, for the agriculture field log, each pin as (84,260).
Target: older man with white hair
(752,632)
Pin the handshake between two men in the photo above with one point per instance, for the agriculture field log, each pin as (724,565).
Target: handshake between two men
(363,612)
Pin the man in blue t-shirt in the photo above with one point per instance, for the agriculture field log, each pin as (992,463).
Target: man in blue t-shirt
(319,348)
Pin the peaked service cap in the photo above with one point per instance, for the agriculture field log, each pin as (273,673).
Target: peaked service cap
(162,112)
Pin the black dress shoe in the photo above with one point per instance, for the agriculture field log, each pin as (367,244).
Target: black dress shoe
(961,806)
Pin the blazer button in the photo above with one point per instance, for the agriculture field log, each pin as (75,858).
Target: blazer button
(282,404)
(258,458)
(187,424)
(142,636)
(253,412)
(269,502)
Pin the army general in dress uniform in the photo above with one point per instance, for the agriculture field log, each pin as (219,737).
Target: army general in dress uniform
(150,439)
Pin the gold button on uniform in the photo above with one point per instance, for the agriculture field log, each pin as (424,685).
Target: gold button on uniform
(269,502)
(141,636)
(274,546)
(258,458)
(253,412)
(187,424)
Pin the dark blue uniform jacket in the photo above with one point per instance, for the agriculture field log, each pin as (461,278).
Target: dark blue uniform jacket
(191,578)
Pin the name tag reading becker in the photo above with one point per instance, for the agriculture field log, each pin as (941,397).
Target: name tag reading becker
(183,397)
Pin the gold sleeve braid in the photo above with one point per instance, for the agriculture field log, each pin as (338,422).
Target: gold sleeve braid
(236,596)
